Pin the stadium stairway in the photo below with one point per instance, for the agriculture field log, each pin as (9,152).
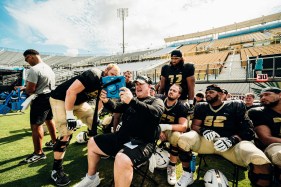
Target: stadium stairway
(232,69)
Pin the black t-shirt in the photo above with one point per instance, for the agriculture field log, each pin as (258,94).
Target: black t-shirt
(91,81)
(140,117)
(177,75)
(172,114)
(227,120)
(268,117)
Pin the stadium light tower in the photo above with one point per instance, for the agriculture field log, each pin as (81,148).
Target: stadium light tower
(122,13)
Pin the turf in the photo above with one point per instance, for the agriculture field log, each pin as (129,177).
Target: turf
(16,144)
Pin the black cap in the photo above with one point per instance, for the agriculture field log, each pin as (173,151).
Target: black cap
(176,53)
(214,87)
(30,52)
(271,89)
(143,79)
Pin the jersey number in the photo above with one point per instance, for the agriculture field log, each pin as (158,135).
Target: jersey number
(178,79)
(169,118)
(215,121)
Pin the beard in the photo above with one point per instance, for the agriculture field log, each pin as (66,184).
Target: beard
(171,99)
(212,100)
(270,104)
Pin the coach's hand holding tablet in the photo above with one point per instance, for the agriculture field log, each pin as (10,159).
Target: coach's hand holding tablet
(125,95)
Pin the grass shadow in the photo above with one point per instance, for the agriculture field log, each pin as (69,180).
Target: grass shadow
(16,137)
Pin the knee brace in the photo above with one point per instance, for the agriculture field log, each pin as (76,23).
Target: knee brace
(185,156)
(60,146)
(255,177)
(174,150)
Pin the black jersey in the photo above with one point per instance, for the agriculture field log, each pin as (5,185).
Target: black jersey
(253,106)
(177,75)
(268,117)
(91,81)
(228,120)
(140,117)
(172,114)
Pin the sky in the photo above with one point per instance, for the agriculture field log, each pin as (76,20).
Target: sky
(92,27)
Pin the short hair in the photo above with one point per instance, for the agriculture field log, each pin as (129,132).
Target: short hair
(214,87)
(250,94)
(179,86)
(110,66)
(30,52)
(129,72)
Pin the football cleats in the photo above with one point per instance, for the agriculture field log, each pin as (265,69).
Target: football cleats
(162,158)
(214,178)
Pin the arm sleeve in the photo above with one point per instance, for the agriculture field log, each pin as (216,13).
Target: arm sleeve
(155,109)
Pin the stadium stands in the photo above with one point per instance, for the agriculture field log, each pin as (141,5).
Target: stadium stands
(223,53)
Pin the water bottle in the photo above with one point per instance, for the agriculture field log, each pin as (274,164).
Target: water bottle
(192,163)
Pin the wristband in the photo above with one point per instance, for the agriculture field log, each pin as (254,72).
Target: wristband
(234,140)
(190,102)
(169,127)
(202,129)
(69,114)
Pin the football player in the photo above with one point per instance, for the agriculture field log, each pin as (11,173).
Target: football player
(40,81)
(178,72)
(69,100)
(223,128)
(267,122)
(173,123)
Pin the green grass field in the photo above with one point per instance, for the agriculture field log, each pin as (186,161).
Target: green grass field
(16,144)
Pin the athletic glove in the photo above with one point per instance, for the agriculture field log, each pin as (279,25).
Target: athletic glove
(190,109)
(165,127)
(210,135)
(222,144)
(71,124)
(71,121)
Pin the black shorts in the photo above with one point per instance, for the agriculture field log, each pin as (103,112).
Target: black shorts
(40,109)
(110,144)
